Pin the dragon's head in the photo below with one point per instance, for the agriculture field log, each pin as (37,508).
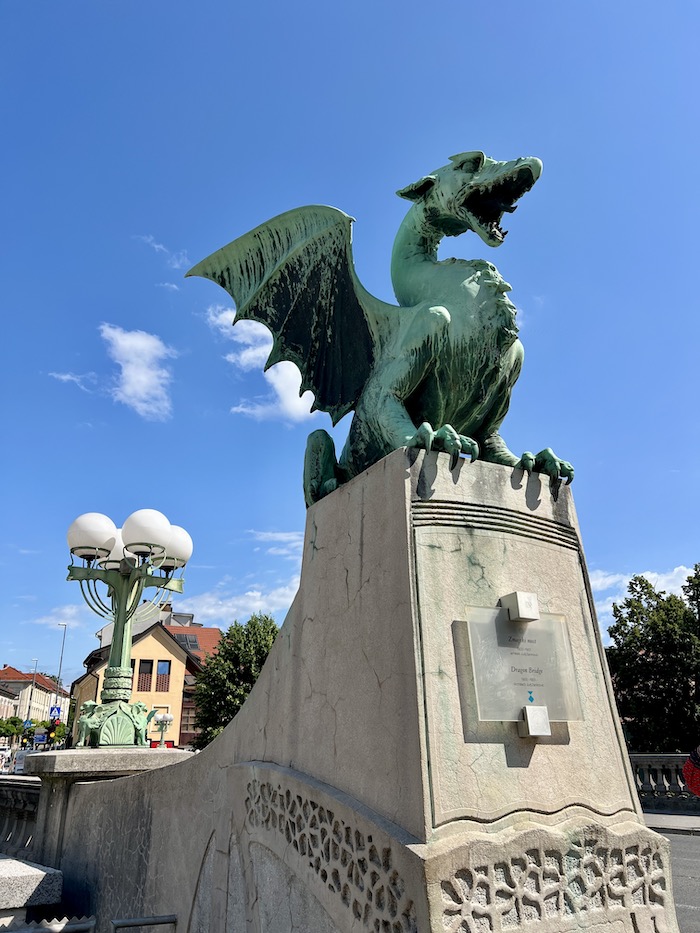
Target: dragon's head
(473,192)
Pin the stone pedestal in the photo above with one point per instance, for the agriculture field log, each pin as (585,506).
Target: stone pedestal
(371,691)
(358,789)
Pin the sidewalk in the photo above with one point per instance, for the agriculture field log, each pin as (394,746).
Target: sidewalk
(673,823)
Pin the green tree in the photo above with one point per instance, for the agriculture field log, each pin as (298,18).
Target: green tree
(228,676)
(654,663)
(11,728)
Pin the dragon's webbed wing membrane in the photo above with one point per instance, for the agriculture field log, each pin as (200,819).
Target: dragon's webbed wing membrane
(295,275)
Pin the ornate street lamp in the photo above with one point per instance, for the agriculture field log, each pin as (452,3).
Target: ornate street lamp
(144,554)
(163,722)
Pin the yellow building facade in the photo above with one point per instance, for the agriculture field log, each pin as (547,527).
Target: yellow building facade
(163,670)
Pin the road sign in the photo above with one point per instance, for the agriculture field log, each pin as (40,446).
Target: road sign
(55,712)
(27,723)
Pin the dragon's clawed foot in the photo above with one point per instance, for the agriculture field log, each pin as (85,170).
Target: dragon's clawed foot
(546,461)
(445,439)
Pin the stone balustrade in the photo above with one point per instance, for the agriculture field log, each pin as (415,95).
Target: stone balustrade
(19,800)
(660,784)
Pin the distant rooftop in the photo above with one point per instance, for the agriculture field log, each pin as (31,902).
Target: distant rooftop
(10,674)
(198,641)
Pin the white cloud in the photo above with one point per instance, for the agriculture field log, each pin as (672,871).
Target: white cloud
(171,286)
(284,402)
(178,260)
(288,537)
(612,588)
(220,319)
(69,615)
(601,580)
(284,379)
(150,240)
(77,378)
(253,357)
(256,341)
(671,581)
(175,260)
(287,544)
(222,607)
(143,383)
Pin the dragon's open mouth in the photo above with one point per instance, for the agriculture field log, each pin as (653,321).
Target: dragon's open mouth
(488,201)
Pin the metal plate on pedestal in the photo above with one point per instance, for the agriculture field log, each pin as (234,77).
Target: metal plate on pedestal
(517,665)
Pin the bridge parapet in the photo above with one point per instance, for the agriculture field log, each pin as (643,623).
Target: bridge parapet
(660,784)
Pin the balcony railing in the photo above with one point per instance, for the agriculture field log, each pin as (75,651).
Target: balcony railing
(660,784)
(19,799)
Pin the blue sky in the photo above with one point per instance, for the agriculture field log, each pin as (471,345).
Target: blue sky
(140,137)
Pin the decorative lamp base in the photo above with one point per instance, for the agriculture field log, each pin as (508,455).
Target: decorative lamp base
(117,685)
(115,723)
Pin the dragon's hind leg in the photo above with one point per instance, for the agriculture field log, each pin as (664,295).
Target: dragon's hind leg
(320,467)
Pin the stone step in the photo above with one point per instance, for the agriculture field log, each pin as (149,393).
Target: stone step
(23,885)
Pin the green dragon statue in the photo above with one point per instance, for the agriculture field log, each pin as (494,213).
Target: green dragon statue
(435,372)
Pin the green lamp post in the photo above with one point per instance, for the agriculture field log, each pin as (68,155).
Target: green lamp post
(118,566)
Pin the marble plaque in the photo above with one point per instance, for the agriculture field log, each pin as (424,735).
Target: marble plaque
(520,664)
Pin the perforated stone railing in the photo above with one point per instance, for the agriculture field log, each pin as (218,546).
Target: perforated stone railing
(660,784)
(19,799)
(336,855)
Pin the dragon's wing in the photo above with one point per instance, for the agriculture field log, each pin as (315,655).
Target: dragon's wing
(295,274)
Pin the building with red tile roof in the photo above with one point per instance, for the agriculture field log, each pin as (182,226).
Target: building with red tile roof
(35,693)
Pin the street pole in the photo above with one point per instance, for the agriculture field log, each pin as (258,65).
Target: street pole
(60,665)
(31,691)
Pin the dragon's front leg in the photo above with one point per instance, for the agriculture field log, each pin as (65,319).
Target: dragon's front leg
(386,393)
(546,461)
(494,450)
(445,439)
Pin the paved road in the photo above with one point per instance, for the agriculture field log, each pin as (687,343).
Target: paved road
(685,870)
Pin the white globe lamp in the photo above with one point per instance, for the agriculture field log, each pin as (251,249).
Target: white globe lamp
(89,535)
(179,549)
(146,532)
(117,553)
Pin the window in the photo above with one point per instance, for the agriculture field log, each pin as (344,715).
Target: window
(187,721)
(191,642)
(145,676)
(163,677)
